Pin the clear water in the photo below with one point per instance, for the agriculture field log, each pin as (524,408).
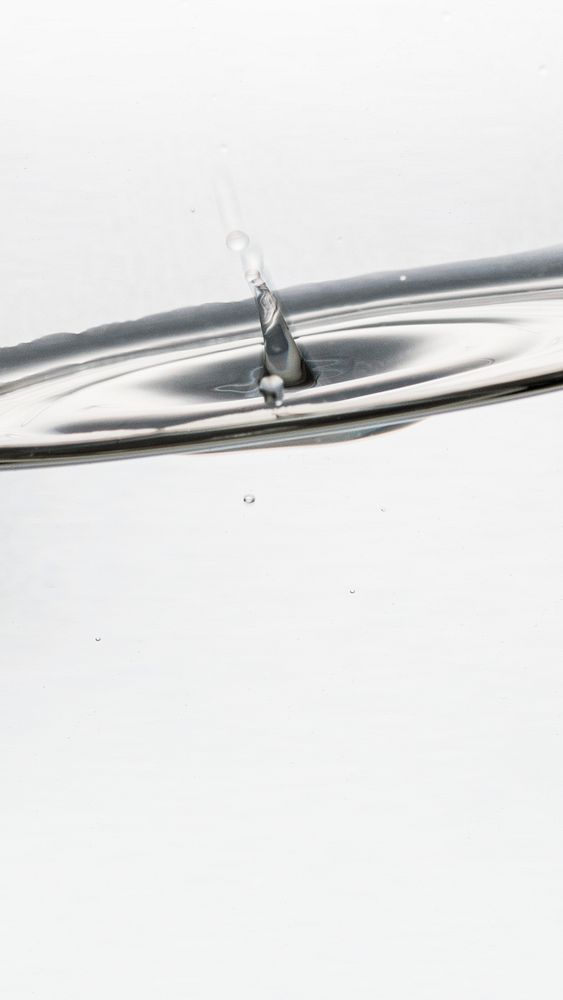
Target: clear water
(380,351)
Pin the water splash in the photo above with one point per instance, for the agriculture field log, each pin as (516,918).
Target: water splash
(282,357)
(379,353)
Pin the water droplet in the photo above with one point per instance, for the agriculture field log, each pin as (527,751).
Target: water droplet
(237,241)
(402,277)
(272,388)
(352,591)
(97,638)
(542,70)
(249,498)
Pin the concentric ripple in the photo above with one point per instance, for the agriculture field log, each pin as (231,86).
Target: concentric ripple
(380,350)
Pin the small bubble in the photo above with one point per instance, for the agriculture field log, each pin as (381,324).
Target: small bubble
(237,241)
(352,591)
(249,498)
(97,638)
(402,277)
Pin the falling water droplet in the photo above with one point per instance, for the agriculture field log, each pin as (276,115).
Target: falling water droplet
(237,241)
(249,498)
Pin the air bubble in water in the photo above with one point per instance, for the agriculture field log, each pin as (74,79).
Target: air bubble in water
(97,638)
(249,498)
(237,241)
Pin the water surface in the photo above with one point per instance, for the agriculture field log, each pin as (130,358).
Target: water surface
(381,350)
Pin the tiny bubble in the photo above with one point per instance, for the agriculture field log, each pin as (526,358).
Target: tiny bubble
(403,277)
(249,498)
(97,638)
(352,591)
(237,241)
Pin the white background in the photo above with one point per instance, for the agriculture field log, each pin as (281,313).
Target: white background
(355,135)
(258,784)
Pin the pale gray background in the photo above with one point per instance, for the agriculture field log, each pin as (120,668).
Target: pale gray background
(357,135)
(258,784)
